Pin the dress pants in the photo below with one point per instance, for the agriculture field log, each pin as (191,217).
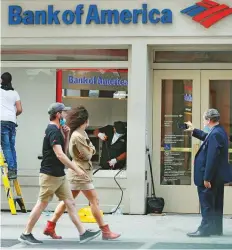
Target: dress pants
(211,201)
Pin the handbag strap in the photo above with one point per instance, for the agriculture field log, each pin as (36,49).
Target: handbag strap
(152,180)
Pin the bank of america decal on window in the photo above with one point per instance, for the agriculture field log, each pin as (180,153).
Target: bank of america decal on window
(207,13)
(104,77)
(97,80)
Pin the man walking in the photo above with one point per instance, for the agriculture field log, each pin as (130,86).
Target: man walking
(52,176)
(211,172)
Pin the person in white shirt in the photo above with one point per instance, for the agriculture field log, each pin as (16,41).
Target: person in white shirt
(10,108)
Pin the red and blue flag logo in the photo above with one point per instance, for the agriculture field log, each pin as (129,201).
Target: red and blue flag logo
(207,12)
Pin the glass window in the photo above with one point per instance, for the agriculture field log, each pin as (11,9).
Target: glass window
(37,89)
(104,93)
(221,99)
(59,54)
(176,146)
(192,56)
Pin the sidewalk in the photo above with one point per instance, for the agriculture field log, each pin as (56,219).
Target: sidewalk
(138,232)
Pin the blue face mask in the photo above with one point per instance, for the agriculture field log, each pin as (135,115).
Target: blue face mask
(62,122)
(207,129)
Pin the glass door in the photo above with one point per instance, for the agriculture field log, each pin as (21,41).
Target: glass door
(176,99)
(216,92)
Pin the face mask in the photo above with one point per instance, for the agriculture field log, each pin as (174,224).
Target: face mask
(62,122)
(206,129)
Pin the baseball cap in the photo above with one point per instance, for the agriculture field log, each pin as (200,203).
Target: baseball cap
(57,107)
(212,113)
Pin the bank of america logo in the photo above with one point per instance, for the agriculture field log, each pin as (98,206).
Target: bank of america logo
(207,12)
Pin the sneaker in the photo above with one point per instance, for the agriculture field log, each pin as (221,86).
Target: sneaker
(89,235)
(29,239)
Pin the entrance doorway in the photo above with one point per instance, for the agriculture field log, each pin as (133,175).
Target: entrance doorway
(179,96)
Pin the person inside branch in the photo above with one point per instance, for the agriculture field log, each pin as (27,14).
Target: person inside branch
(114,145)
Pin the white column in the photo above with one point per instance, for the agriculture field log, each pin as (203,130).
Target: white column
(137,116)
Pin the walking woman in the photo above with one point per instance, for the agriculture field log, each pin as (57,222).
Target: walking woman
(10,108)
(81,150)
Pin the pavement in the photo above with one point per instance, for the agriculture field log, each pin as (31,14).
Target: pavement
(138,232)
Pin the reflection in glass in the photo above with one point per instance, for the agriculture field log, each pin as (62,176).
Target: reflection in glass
(221,99)
(175,143)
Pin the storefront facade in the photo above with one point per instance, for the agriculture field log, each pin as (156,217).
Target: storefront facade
(176,55)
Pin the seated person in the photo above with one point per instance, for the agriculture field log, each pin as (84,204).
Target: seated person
(114,145)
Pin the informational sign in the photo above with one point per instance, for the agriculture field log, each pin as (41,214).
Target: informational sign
(176,143)
(173,166)
(188,98)
(175,156)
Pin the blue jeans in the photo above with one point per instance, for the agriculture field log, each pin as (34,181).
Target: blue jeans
(8,133)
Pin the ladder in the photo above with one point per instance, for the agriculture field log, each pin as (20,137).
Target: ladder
(12,200)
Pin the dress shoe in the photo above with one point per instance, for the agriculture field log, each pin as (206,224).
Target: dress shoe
(198,234)
(217,233)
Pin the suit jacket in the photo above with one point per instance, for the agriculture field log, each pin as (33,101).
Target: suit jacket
(211,161)
(80,143)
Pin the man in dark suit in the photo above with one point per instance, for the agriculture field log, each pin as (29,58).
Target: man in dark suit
(211,172)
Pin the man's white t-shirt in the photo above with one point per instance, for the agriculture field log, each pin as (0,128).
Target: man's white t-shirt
(8,98)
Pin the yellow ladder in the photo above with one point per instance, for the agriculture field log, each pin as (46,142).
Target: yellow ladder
(12,200)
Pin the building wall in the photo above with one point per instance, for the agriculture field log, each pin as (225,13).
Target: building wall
(138,38)
(182,25)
